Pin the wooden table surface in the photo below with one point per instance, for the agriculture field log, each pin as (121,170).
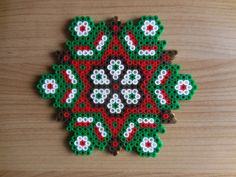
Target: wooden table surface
(202,143)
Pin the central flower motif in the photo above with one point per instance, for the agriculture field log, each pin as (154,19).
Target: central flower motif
(115,86)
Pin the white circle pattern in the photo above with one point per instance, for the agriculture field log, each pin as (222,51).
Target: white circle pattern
(71,95)
(85,52)
(146,52)
(103,95)
(82,24)
(82,147)
(101,43)
(160,96)
(148,32)
(151,142)
(128,130)
(84,119)
(53,84)
(114,104)
(145,120)
(117,101)
(160,77)
(101,129)
(128,81)
(71,76)
(103,80)
(127,93)
(115,73)
(130,43)
(187,89)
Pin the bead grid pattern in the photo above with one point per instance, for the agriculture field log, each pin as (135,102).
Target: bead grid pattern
(115,86)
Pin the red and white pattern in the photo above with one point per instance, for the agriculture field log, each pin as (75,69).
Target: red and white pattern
(69,76)
(148,51)
(131,41)
(84,51)
(82,28)
(100,41)
(149,28)
(69,96)
(162,77)
(183,87)
(148,144)
(145,120)
(147,123)
(101,130)
(130,132)
(84,119)
(82,143)
(50,86)
(162,96)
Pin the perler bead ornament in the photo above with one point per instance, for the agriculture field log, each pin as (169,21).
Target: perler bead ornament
(114,86)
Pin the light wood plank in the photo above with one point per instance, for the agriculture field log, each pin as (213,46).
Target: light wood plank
(202,143)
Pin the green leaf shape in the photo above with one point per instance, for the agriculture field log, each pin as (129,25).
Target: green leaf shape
(141,133)
(63,86)
(169,87)
(88,40)
(142,39)
(88,131)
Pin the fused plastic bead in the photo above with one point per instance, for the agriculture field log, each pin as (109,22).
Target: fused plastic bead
(114,86)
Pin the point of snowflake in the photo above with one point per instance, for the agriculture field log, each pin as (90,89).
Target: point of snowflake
(64,86)
(115,86)
(148,144)
(149,27)
(140,133)
(82,143)
(167,87)
(82,28)
(91,128)
(50,86)
(148,30)
(183,87)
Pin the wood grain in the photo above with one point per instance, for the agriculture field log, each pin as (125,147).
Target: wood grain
(202,143)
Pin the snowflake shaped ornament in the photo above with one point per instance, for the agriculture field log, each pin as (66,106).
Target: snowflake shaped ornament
(115,86)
